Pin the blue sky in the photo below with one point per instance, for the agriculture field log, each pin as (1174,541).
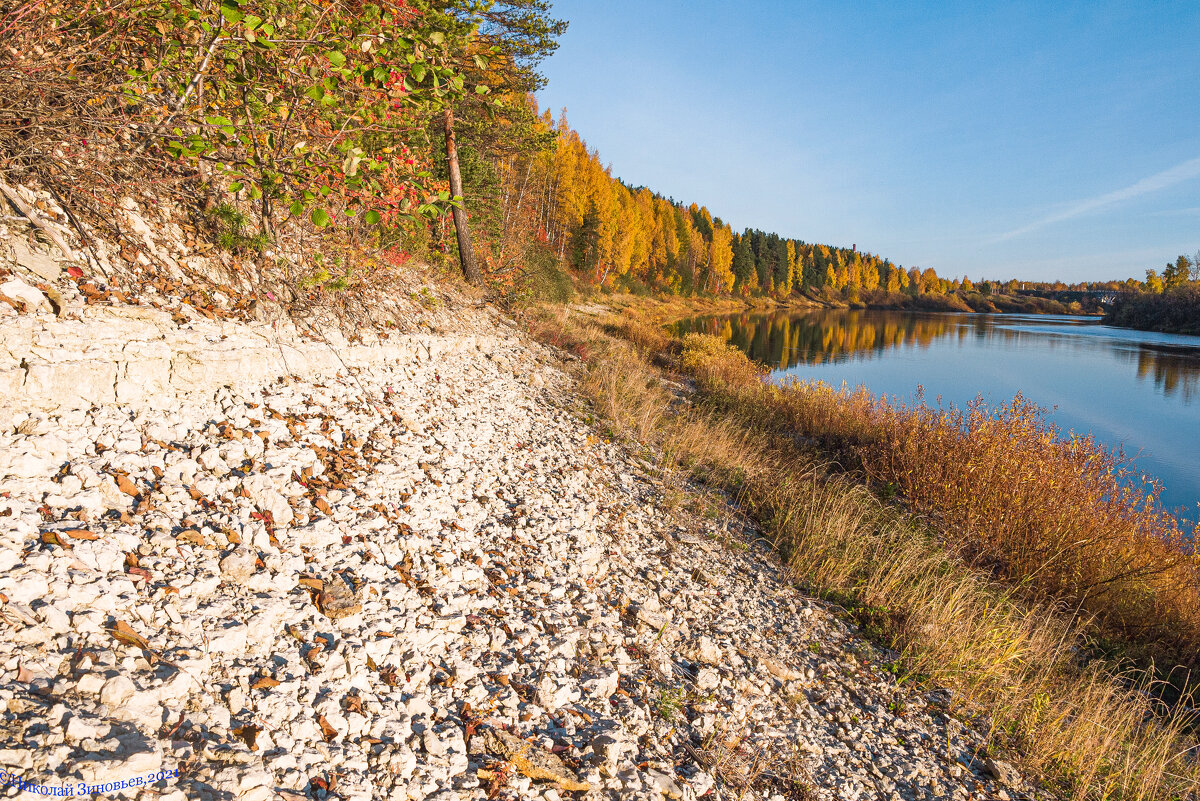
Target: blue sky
(1029,140)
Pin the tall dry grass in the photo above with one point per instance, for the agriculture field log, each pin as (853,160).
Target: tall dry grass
(1089,731)
(1061,519)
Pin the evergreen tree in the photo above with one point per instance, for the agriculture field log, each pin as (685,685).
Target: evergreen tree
(743,263)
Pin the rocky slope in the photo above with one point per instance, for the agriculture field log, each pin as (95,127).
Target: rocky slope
(405,569)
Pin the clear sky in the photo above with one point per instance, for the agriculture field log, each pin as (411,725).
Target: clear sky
(993,139)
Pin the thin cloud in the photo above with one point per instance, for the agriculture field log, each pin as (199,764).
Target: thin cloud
(1154,183)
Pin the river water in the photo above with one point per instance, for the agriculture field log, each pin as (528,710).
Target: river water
(1133,389)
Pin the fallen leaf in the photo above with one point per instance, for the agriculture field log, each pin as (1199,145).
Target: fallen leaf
(248,734)
(312,583)
(264,683)
(53,538)
(126,486)
(328,732)
(81,534)
(529,759)
(122,632)
(192,537)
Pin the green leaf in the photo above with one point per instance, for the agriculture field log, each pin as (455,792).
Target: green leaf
(371,217)
(482,90)
(335,58)
(418,72)
(320,218)
(437,37)
(236,186)
(297,208)
(229,11)
(218,121)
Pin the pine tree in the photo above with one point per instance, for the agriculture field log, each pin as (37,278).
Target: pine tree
(743,264)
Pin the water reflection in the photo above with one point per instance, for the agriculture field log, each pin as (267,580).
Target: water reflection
(783,340)
(1136,390)
(1170,370)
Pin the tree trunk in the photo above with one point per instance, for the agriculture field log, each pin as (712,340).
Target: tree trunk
(465,253)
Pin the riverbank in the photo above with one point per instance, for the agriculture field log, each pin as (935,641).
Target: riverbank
(1176,311)
(1013,656)
(386,580)
(669,307)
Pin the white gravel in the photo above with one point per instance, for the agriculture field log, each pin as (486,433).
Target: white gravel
(324,588)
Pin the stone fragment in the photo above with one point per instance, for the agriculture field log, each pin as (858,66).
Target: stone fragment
(708,651)
(20,291)
(1003,772)
(116,691)
(338,597)
(238,565)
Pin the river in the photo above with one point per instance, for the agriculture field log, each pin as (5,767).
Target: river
(1132,389)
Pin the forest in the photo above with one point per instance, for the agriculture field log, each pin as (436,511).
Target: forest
(391,131)
(1167,302)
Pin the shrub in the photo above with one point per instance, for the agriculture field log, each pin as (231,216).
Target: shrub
(302,107)
(543,279)
(1174,311)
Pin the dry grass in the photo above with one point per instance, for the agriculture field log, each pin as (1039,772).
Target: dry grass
(1012,655)
(1063,520)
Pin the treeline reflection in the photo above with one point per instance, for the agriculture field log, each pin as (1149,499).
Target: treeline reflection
(783,340)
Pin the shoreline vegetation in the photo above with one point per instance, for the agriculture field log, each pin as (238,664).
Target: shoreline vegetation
(952,302)
(1175,311)
(992,558)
